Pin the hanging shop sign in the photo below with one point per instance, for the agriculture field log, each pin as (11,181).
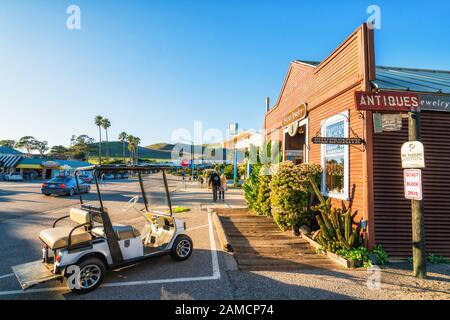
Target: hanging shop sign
(412,179)
(391,122)
(412,154)
(387,101)
(377,122)
(336,140)
(297,114)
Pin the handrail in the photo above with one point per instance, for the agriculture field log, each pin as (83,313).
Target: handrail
(59,219)
(69,240)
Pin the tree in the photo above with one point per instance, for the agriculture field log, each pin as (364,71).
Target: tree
(122,138)
(137,142)
(28,143)
(98,123)
(41,147)
(106,124)
(7,143)
(131,146)
(59,150)
(80,148)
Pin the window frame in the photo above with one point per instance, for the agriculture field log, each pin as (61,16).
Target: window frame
(342,116)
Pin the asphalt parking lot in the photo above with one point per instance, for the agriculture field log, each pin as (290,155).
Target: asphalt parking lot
(208,274)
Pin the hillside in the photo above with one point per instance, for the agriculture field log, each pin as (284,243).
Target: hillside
(115,150)
(154,151)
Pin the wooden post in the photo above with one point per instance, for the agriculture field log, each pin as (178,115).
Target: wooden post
(418,231)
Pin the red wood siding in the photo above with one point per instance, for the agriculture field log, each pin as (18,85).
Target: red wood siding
(392,210)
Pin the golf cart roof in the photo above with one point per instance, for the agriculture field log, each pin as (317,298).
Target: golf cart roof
(139,169)
(112,167)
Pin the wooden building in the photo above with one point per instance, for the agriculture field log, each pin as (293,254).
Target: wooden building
(317,99)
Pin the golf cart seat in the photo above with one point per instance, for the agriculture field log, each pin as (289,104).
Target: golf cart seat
(58,237)
(123,232)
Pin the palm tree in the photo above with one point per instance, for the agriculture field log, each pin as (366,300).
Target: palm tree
(122,138)
(137,142)
(98,123)
(106,124)
(131,146)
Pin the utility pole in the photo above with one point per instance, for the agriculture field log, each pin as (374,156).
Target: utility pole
(418,231)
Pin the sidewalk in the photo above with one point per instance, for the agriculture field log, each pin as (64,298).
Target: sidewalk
(196,197)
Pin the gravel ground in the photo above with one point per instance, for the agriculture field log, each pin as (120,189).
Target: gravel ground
(397,283)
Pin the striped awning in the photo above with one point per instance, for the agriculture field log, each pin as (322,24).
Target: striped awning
(9,161)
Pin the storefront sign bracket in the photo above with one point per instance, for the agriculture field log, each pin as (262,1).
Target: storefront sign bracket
(353,140)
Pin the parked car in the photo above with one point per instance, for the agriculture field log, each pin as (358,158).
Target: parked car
(108,176)
(15,176)
(64,185)
(86,178)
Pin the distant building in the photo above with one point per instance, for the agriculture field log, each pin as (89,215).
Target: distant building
(241,142)
(9,157)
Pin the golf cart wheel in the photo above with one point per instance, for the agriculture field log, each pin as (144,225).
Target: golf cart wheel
(71,192)
(90,276)
(182,248)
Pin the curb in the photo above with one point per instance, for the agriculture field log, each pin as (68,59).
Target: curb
(223,239)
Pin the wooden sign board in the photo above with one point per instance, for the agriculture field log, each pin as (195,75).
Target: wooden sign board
(297,114)
(336,140)
(387,101)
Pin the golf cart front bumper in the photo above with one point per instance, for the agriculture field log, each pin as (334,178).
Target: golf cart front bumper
(32,273)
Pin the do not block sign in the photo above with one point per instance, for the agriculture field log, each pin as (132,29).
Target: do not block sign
(413,184)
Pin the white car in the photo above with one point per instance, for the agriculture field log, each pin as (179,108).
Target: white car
(15,176)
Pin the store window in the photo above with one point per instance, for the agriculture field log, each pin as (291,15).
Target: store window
(335,158)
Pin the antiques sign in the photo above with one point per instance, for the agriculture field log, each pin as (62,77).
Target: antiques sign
(336,140)
(412,155)
(401,101)
(297,114)
(387,101)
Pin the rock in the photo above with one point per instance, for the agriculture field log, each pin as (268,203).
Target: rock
(304,229)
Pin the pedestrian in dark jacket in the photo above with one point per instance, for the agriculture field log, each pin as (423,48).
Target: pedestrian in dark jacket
(214,182)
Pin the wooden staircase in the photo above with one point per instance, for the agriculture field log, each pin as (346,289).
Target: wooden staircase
(258,244)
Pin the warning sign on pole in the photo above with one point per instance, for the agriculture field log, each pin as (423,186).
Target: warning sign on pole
(413,184)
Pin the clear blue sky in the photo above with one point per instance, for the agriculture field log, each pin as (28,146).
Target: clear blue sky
(154,66)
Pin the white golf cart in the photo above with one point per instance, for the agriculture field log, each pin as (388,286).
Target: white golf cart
(83,252)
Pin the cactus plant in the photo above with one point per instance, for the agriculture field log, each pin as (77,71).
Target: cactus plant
(336,224)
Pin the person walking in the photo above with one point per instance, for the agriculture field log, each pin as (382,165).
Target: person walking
(214,182)
(223,187)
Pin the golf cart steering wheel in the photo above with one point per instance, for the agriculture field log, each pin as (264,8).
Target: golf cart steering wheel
(130,204)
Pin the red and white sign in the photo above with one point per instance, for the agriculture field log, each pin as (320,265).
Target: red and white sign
(184,163)
(387,101)
(413,184)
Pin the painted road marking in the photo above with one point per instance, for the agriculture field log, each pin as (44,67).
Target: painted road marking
(214,276)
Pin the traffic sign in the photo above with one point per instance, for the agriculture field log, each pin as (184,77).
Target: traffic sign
(412,154)
(413,184)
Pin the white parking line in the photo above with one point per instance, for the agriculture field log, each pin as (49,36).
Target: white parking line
(214,276)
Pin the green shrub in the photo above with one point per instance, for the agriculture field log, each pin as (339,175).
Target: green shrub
(290,194)
(364,256)
(263,205)
(251,187)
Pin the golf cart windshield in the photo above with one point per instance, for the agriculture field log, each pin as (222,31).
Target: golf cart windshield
(145,189)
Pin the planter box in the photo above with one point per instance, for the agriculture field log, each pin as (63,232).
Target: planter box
(333,256)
